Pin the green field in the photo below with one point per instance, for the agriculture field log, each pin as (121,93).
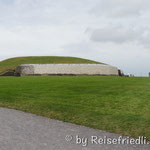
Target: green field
(115,104)
(10,64)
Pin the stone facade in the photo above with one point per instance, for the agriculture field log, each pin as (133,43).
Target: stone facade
(66,69)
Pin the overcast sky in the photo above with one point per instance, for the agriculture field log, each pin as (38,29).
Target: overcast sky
(116,32)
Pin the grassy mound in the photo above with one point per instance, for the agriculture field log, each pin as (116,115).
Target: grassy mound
(10,64)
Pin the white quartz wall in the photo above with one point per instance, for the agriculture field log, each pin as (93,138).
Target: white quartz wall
(75,69)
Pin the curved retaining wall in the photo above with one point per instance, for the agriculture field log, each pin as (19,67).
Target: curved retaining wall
(66,69)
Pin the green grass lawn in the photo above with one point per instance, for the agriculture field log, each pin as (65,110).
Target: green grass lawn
(12,63)
(115,104)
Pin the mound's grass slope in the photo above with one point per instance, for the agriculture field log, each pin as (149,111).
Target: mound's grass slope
(115,104)
(11,63)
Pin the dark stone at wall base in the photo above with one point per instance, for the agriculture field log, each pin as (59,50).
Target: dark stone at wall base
(9,73)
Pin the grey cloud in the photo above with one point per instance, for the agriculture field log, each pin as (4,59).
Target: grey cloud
(121,8)
(121,35)
(116,35)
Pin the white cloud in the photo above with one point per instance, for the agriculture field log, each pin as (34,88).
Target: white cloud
(37,40)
